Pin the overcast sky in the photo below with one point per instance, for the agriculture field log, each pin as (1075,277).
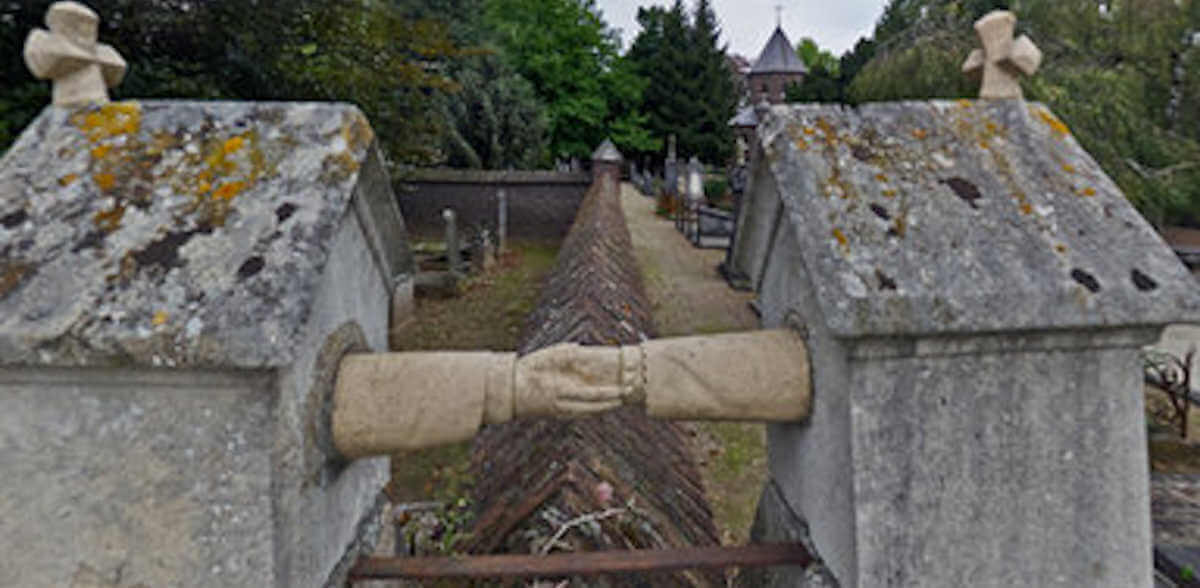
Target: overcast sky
(747,24)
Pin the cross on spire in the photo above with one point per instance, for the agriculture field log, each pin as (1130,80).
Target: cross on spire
(1001,59)
(82,69)
(779,16)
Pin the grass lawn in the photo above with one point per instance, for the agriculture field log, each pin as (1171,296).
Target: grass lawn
(488,314)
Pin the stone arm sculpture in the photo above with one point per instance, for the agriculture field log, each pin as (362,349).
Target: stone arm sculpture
(386,403)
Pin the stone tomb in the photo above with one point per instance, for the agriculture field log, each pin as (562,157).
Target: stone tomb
(178,283)
(974,292)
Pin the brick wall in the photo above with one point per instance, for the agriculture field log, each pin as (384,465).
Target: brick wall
(541,205)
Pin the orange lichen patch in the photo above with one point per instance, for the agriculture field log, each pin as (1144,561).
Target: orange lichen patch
(992,128)
(1055,125)
(160,318)
(830,133)
(841,238)
(105,181)
(67,180)
(801,144)
(1089,191)
(228,190)
(1068,168)
(117,118)
(900,225)
(99,151)
(984,145)
(809,131)
(357,131)
(889,193)
(340,166)
(109,220)
(1060,248)
(202,187)
(881,177)
(964,103)
(11,275)
(1023,204)
(232,145)
(920,133)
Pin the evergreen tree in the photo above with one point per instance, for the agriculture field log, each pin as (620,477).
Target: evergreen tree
(689,91)
(1124,79)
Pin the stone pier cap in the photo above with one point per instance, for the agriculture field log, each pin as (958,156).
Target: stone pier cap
(180,233)
(945,217)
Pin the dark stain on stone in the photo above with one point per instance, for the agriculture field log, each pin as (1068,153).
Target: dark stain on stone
(251,267)
(1142,281)
(881,212)
(1086,280)
(885,281)
(965,190)
(862,152)
(165,251)
(92,240)
(12,274)
(285,211)
(14,219)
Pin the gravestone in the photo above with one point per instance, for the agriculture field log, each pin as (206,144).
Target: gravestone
(974,292)
(502,221)
(671,173)
(695,196)
(453,246)
(178,283)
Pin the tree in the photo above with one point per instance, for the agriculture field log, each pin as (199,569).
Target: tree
(689,91)
(569,54)
(1124,79)
(814,57)
(363,51)
(495,121)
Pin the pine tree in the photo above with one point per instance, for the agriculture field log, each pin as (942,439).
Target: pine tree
(689,90)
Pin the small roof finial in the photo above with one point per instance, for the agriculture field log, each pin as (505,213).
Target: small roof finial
(779,16)
(81,68)
(1001,58)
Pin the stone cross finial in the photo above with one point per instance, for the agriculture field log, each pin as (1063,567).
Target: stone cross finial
(82,69)
(1001,59)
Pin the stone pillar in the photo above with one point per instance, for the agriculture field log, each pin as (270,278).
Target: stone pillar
(453,247)
(502,220)
(974,332)
(695,197)
(166,368)
(606,160)
(671,175)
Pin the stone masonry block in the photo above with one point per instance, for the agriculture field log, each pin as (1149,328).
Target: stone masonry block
(974,291)
(177,285)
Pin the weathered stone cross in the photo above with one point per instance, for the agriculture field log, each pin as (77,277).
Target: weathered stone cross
(82,69)
(1001,59)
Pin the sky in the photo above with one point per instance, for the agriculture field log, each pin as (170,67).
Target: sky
(747,24)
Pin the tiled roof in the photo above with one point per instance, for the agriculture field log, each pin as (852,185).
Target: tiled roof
(779,56)
(745,117)
(534,475)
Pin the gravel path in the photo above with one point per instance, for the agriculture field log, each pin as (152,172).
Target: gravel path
(688,297)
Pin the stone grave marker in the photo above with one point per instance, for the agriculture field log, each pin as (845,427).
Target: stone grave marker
(178,284)
(975,291)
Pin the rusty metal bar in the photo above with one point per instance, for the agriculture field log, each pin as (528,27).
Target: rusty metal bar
(581,564)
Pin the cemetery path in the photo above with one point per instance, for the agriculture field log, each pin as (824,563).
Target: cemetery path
(688,297)
(687,294)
